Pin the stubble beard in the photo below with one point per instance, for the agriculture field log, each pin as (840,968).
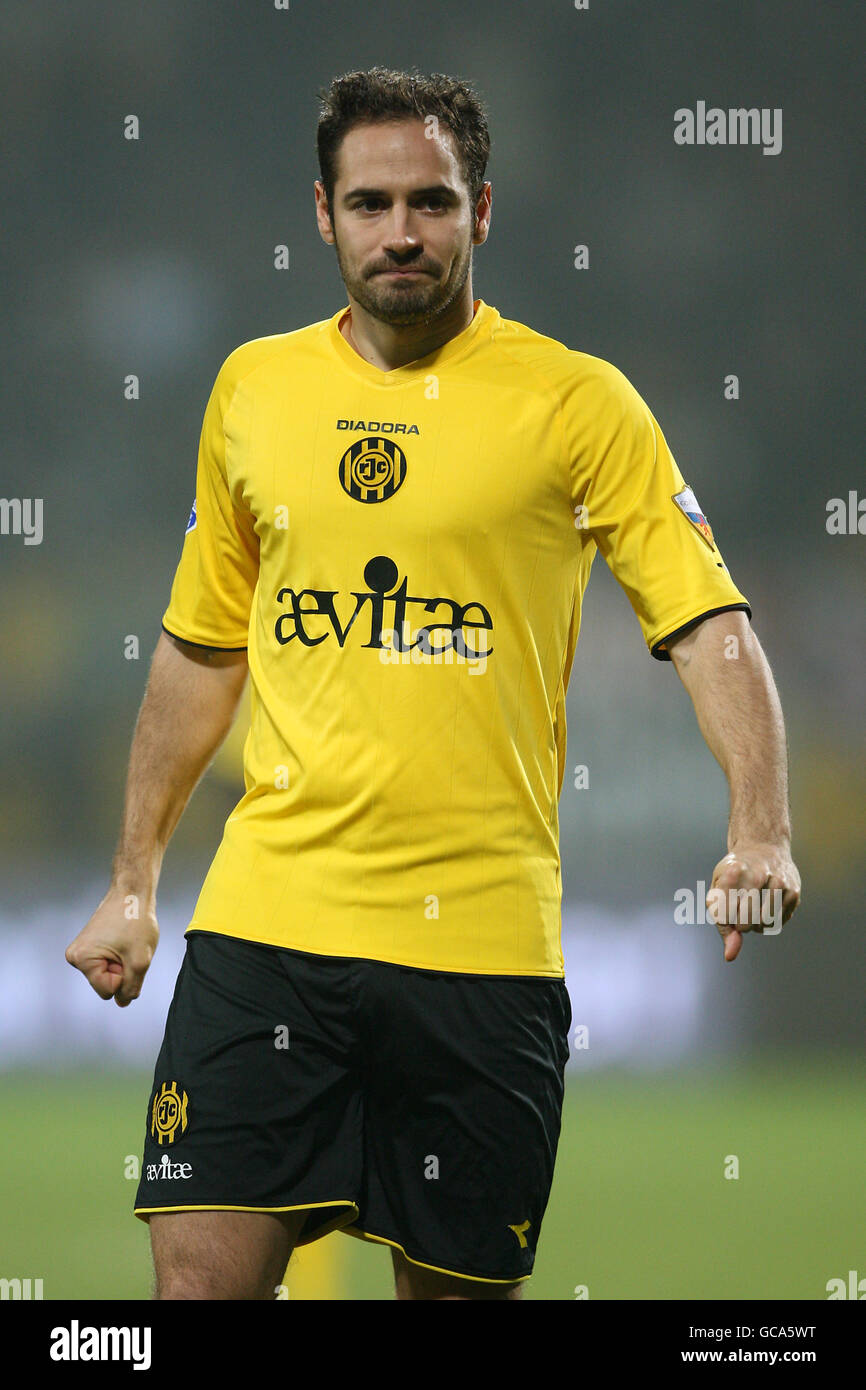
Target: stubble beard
(410,302)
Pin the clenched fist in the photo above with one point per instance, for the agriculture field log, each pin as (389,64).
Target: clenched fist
(116,947)
(754,887)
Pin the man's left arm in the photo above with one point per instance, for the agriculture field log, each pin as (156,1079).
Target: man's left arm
(740,716)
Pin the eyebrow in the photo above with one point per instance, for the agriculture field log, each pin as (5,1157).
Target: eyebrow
(442,189)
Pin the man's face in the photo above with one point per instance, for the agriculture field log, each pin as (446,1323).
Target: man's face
(401,220)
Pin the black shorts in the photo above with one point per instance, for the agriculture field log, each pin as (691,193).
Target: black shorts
(417,1108)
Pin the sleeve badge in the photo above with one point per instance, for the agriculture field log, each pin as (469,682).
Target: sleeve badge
(690,508)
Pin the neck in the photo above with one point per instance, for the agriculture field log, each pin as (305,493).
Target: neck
(387,345)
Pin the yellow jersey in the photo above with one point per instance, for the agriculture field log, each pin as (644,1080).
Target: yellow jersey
(403,554)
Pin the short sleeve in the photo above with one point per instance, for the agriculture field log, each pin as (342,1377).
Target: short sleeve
(216,576)
(637,507)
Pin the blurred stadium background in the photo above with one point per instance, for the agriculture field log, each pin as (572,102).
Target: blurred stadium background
(155,257)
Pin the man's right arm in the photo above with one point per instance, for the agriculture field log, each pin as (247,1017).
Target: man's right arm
(190,702)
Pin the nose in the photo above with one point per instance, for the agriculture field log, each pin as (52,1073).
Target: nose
(401,238)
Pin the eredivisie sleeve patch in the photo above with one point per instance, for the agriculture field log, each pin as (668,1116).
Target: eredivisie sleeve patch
(690,508)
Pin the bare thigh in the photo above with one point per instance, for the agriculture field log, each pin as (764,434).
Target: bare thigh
(222,1254)
(414,1282)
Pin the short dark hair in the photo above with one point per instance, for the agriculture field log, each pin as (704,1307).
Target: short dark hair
(383,94)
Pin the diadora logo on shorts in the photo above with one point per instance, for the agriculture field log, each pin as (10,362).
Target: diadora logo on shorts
(520,1232)
(166,1170)
(168,1113)
(312,616)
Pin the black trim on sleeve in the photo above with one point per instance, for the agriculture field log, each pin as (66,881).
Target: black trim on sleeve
(202,646)
(710,613)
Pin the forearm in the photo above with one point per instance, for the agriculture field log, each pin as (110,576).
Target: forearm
(740,716)
(188,707)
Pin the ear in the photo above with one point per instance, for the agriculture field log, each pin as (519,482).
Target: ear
(483,211)
(323,214)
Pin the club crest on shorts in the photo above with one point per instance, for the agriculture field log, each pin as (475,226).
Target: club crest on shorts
(688,505)
(190,525)
(372,469)
(168,1113)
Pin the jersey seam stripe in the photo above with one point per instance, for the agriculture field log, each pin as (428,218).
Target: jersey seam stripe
(281,346)
(551,388)
(565,471)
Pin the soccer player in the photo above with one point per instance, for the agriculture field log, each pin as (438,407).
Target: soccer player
(396,511)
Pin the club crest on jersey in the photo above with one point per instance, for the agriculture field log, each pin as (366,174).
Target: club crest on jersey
(190,525)
(688,505)
(372,469)
(168,1113)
